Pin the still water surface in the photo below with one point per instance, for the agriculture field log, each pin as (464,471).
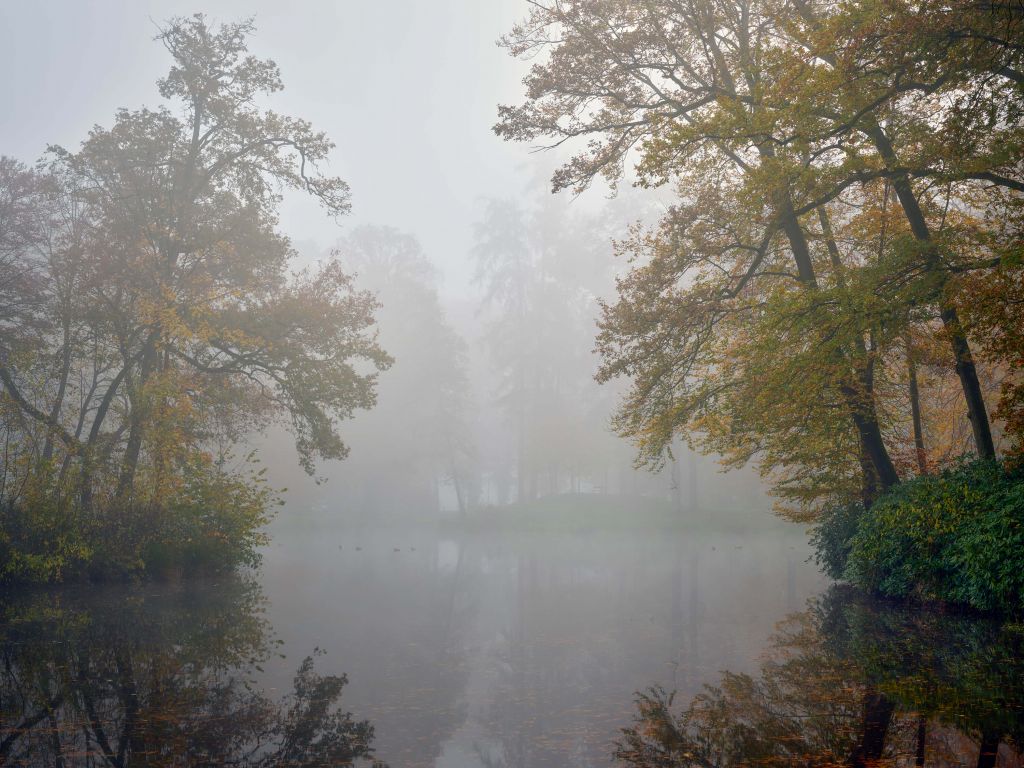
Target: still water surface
(497,649)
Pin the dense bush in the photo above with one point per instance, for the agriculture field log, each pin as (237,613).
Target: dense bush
(212,521)
(833,537)
(956,537)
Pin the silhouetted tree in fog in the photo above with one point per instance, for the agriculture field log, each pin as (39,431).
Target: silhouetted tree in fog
(421,434)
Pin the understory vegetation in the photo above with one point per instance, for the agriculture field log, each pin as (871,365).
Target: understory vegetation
(213,523)
(956,537)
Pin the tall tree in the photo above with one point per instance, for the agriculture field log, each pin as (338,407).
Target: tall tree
(165,306)
(776,123)
(682,84)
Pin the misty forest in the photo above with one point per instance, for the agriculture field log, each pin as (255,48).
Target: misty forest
(512,383)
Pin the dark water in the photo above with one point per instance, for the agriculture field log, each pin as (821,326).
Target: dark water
(505,650)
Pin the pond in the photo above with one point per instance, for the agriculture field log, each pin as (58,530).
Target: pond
(452,648)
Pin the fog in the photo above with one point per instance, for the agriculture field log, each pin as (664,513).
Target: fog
(407,91)
(505,383)
(408,94)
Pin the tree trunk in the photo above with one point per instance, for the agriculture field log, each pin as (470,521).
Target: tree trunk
(85,483)
(58,401)
(915,411)
(692,489)
(675,479)
(877,716)
(872,445)
(989,750)
(457,484)
(869,479)
(966,369)
(861,404)
(137,421)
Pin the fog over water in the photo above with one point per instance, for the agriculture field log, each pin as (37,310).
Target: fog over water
(408,93)
(525,649)
(482,573)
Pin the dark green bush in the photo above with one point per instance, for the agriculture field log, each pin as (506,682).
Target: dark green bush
(833,535)
(955,537)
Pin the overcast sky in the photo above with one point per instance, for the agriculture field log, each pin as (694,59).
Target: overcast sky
(407,89)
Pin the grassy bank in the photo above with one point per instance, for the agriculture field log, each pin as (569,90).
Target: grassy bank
(580,513)
(955,537)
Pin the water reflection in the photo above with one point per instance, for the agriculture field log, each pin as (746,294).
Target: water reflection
(163,678)
(851,682)
(522,650)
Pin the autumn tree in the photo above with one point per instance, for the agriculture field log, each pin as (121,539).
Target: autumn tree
(169,313)
(674,105)
(925,97)
(762,312)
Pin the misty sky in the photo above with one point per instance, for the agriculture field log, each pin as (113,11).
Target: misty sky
(406,89)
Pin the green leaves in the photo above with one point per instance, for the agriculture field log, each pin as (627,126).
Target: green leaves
(956,537)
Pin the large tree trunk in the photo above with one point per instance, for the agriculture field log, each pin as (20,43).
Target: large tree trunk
(137,421)
(881,475)
(859,399)
(872,445)
(88,452)
(966,369)
(877,716)
(869,479)
(132,451)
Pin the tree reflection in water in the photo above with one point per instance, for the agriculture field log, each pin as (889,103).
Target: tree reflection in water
(139,680)
(851,682)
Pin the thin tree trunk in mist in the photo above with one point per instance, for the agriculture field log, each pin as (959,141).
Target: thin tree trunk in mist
(58,401)
(459,498)
(522,474)
(133,448)
(675,479)
(915,411)
(692,489)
